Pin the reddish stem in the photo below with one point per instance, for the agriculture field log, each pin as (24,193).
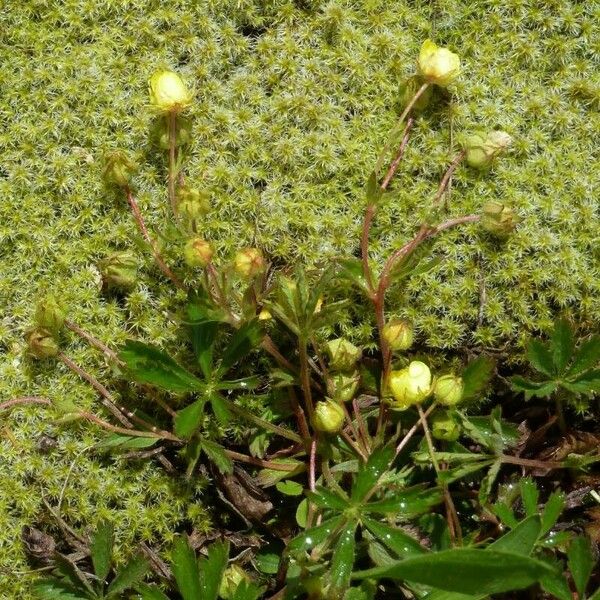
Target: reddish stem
(364,245)
(25,400)
(93,341)
(447,177)
(172,128)
(137,214)
(265,464)
(396,162)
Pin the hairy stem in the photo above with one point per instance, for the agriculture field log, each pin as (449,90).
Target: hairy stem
(451,515)
(24,400)
(137,214)
(251,460)
(244,414)
(396,130)
(172,129)
(93,341)
(448,176)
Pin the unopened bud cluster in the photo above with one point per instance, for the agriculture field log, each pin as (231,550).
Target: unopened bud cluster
(249,263)
(49,319)
(198,252)
(482,148)
(498,219)
(119,270)
(119,168)
(413,384)
(398,334)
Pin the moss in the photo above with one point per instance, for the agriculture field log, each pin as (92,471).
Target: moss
(294,100)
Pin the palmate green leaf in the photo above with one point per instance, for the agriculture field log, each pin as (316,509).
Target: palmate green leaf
(476,377)
(563,344)
(203,341)
(370,473)
(586,357)
(220,409)
(366,591)
(216,454)
(68,569)
(395,539)
(185,569)
(116,441)
(581,562)
(101,549)
(211,570)
(587,383)
(151,592)
(466,571)
(351,269)
(243,341)
(407,503)
(342,560)
(129,575)
(529,495)
(325,498)
(557,586)
(148,364)
(540,357)
(188,419)
(247,590)
(315,535)
(552,510)
(533,389)
(450,475)
(57,590)
(521,539)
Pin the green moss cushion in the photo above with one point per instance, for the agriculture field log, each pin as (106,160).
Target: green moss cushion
(293,102)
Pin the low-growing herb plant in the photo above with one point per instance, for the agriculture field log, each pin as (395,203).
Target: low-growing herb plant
(567,371)
(380,444)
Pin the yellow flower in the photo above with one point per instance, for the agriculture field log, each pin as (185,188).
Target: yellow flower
(168,92)
(410,385)
(438,65)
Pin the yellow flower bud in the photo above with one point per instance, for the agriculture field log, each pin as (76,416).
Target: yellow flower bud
(343,386)
(448,389)
(498,219)
(343,355)
(192,203)
(444,427)
(249,263)
(118,168)
(329,416)
(41,343)
(437,65)
(49,314)
(410,385)
(119,270)
(483,147)
(398,334)
(168,92)
(198,252)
